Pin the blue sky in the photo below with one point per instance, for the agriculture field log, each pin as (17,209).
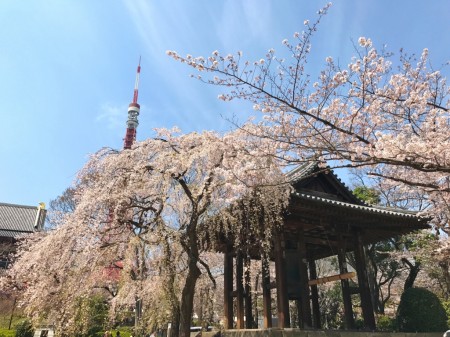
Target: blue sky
(67,69)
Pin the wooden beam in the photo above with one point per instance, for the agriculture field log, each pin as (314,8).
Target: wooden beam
(304,288)
(282,293)
(240,291)
(346,295)
(321,242)
(228,289)
(267,299)
(354,290)
(321,280)
(248,297)
(331,278)
(363,283)
(314,295)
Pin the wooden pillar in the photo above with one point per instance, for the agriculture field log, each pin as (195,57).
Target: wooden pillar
(248,297)
(228,289)
(282,294)
(346,294)
(304,287)
(239,291)
(363,282)
(314,295)
(267,299)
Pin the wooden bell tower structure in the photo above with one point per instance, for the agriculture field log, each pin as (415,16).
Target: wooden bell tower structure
(324,219)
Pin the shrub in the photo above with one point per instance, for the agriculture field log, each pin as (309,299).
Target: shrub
(359,323)
(90,316)
(446,305)
(421,311)
(386,323)
(24,329)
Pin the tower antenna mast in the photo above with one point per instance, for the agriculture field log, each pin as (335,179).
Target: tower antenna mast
(133,112)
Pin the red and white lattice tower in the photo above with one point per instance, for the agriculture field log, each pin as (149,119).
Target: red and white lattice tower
(133,113)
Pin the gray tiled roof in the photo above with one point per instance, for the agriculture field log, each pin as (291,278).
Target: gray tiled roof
(16,220)
(302,171)
(365,208)
(308,169)
(311,168)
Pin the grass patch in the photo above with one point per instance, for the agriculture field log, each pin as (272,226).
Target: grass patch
(7,333)
(4,321)
(124,332)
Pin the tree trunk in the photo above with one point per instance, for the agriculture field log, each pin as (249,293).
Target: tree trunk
(175,324)
(12,313)
(373,283)
(187,298)
(445,272)
(169,288)
(187,295)
(413,271)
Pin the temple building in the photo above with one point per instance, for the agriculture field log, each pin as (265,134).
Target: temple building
(324,219)
(17,220)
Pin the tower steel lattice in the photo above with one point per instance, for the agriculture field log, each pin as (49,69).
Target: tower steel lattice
(133,113)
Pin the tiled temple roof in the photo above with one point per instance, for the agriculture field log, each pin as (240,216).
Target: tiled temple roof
(16,220)
(310,169)
(364,208)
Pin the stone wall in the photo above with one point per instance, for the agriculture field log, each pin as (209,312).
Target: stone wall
(328,333)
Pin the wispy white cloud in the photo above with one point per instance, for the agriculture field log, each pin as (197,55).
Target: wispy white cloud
(143,16)
(257,17)
(174,27)
(112,116)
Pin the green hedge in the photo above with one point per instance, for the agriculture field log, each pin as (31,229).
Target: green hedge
(24,329)
(421,311)
(386,324)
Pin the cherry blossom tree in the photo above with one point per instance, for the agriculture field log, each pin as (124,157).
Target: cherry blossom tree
(58,207)
(389,115)
(156,209)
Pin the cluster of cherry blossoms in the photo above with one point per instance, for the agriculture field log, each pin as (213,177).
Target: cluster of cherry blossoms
(143,215)
(366,114)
